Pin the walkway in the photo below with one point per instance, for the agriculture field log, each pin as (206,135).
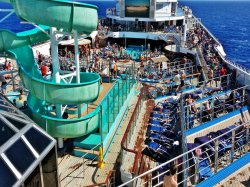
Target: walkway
(74,171)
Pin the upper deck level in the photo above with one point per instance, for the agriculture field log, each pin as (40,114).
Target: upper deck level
(146,10)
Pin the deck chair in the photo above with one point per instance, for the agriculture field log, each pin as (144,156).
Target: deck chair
(170,134)
(157,151)
(156,129)
(170,139)
(165,143)
(224,143)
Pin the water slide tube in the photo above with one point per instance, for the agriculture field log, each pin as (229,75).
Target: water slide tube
(64,14)
(43,91)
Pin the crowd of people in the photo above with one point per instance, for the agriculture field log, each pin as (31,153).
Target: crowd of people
(216,66)
(7,66)
(105,26)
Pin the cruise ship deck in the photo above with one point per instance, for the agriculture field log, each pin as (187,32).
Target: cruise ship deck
(148,90)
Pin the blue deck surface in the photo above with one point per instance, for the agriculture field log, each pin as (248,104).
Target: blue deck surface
(225,172)
(215,121)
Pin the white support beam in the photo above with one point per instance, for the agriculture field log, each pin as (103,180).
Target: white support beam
(56,72)
(54,54)
(11,11)
(37,26)
(77,62)
(64,108)
(77,57)
(68,75)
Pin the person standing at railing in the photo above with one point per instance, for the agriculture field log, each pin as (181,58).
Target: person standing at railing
(4,84)
(171,180)
(210,76)
(223,73)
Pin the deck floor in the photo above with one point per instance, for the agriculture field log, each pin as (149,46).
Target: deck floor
(74,171)
(240,179)
(105,89)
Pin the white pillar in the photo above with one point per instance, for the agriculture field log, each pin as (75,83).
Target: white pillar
(54,54)
(56,73)
(77,65)
(77,57)
(60,142)
(185,32)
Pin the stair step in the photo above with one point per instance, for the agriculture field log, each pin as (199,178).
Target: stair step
(88,142)
(84,153)
(74,110)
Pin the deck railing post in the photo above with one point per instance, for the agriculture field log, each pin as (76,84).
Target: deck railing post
(101,128)
(243,96)
(114,103)
(216,160)
(212,108)
(108,111)
(234,107)
(122,91)
(184,139)
(232,148)
(126,87)
(228,80)
(196,179)
(187,116)
(118,97)
(247,135)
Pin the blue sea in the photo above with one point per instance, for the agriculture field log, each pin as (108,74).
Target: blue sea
(229,21)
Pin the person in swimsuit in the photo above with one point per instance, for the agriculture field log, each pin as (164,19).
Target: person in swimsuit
(171,180)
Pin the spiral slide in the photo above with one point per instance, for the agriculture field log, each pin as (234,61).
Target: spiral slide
(62,15)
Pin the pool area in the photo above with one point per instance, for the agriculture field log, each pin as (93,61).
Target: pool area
(135,51)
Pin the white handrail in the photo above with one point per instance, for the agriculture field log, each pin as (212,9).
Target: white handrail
(246,124)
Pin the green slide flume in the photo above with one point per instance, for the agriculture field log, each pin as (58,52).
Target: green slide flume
(64,15)
(63,128)
(67,15)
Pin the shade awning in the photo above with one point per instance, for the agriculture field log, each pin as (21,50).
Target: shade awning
(161,58)
(71,42)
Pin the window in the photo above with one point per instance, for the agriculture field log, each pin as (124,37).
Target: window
(37,140)
(7,177)
(20,156)
(5,133)
(159,6)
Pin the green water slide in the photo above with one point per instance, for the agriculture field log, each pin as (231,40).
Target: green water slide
(62,15)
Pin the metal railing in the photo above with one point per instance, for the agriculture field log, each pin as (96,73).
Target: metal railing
(129,132)
(210,107)
(76,165)
(132,28)
(13,74)
(231,144)
(170,71)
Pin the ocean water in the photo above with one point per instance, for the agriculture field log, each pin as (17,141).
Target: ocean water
(229,21)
